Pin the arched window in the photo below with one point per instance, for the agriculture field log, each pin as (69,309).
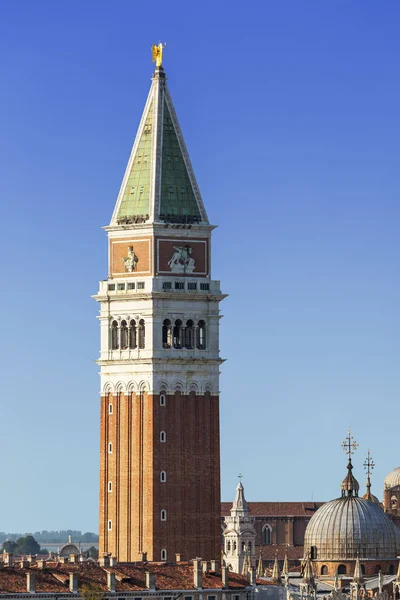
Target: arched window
(110,448)
(243,546)
(132,335)
(249,547)
(363,570)
(167,334)
(234,546)
(163,436)
(314,553)
(201,335)
(163,554)
(393,501)
(342,570)
(142,338)
(189,334)
(228,546)
(163,476)
(114,335)
(266,534)
(163,515)
(124,335)
(378,568)
(110,409)
(163,400)
(324,570)
(177,334)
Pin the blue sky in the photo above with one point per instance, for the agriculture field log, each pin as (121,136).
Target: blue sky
(290,111)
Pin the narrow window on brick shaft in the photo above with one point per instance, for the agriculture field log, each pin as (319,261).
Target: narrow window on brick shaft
(163,515)
(163,476)
(163,554)
(163,436)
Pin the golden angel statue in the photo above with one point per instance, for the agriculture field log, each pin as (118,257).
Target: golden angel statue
(156,53)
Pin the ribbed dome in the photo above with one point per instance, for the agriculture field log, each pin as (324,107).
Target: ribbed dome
(351,526)
(393,479)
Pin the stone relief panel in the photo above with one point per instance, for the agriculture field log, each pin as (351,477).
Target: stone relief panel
(182,257)
(130,257)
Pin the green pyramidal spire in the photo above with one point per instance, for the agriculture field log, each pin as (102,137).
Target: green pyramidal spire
(159,183)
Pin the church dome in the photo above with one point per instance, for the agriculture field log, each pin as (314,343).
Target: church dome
(349,527)
(393,479)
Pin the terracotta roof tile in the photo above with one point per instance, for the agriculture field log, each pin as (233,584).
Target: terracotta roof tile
(54,578)
(276,509)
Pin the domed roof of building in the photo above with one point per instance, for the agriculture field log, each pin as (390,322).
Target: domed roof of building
(351,526)
(393,479)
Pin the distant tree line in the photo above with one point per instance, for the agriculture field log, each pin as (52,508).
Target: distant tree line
(52,537)
(23,545)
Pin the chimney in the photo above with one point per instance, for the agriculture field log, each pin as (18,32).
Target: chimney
(143,556)
(31,582)
(225,576)
(197,574)
(113,561)
(104,561)
(215,566)
(41,564)
(111,582)
(150,580)
(206,566)
(73,582)
(24,564)
(252,576)
(178,557)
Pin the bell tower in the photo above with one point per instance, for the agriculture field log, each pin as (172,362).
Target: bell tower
(159,354)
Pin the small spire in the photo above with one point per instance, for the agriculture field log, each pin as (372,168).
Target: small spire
(368,466)
(358,576)
(260,568)
(350,485)
(380,581)
(308,574)
(285,568)
(276,574)
(240,508)
(336,581)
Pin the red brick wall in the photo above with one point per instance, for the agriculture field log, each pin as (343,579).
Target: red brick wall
(191,494)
